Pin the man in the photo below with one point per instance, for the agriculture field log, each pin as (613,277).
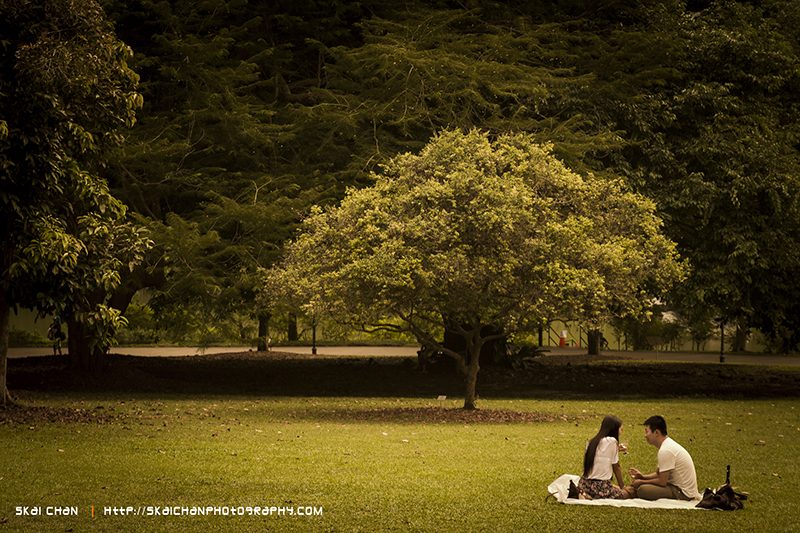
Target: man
(675,477)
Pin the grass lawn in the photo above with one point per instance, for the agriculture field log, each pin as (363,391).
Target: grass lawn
(122,457)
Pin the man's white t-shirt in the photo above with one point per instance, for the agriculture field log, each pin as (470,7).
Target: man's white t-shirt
(607,454)
(674,458)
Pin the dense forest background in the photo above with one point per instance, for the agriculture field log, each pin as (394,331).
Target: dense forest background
(255,111)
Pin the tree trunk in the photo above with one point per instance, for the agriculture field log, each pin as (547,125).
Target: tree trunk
(263,331)
(471,380)
(740,340)
(468,357)
(292,334)
(593,339)
(5,316)
(81,356)
(474,347)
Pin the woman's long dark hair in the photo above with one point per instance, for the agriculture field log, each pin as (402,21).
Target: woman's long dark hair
(609,428)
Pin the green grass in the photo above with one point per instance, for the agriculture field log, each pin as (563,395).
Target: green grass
(369,474)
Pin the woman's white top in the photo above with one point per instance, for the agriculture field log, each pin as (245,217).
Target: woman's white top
(607,454)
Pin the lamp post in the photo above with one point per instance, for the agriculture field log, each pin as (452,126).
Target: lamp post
(314,338)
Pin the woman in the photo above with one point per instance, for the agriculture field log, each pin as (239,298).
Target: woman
(600,461)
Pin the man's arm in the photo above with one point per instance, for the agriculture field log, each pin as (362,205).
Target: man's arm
(656,478)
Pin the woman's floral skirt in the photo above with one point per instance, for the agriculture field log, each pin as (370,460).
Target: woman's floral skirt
(599,489)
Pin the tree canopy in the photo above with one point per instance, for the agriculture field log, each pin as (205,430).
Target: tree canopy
(712,138)
(473,233)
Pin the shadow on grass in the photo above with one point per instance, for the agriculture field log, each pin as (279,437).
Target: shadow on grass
(281,374)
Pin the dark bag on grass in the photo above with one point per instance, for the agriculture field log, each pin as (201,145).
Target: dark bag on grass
(723,499)
(573,491)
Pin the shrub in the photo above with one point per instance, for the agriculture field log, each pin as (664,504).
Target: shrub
(18,338)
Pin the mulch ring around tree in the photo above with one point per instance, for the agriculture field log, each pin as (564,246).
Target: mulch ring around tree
(454,415)
(13,415)
(20,415)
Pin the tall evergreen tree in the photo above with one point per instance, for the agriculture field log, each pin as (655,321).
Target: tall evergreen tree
(204,163)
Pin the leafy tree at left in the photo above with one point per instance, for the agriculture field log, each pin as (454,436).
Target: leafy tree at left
(66,96)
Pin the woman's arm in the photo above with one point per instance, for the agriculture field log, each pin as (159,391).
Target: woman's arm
(618,472)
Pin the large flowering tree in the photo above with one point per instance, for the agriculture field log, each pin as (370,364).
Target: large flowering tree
(476,232)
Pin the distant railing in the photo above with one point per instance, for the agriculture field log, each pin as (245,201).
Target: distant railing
(552,331)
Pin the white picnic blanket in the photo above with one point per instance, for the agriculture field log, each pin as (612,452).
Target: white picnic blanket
(560,490)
